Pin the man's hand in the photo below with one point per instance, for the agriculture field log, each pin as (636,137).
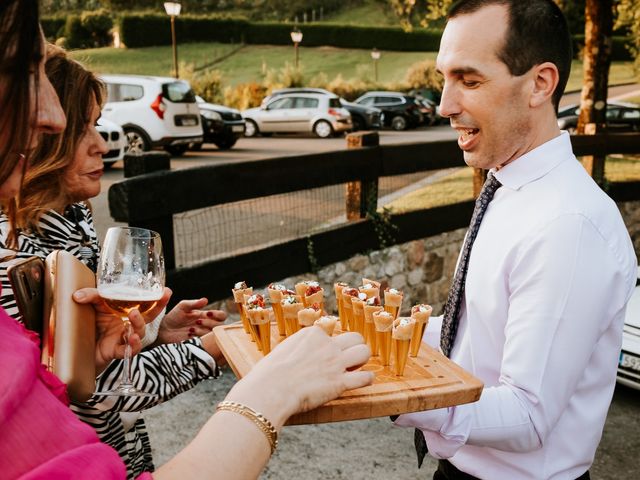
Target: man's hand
(187,321)
(110,329)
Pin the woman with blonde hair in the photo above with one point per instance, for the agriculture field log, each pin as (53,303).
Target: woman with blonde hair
(53,213)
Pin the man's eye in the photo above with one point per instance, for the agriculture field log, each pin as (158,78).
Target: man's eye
(470,83)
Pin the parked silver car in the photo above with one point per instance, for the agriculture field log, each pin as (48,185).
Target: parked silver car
(629,363)
(321,114)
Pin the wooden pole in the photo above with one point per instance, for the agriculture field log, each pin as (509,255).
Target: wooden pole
(361,196)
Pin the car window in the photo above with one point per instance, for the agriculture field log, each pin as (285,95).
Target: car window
(630,114)
(280,103)
(612,113)
(306,103)
(335,103)
(178,92)
(388,101)
(366,101)
(121,92)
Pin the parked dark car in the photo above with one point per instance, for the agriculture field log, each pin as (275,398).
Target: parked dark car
(621,117)
(363,117)
(221,125)
(400,111)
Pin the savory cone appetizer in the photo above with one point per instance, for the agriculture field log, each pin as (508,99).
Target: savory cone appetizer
(420,313)
(383,322)
(357,304)
(301,287)
(276,291)
(373,283)
(392,301)
(327,323)
(348,294)
(314,294)
(371,306)
(239,290)
(260,319)
(308,316)
(337,288)
(291,305)
(400,340)
(253,301)
(370,290)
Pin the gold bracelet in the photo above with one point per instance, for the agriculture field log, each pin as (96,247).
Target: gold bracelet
(260,420)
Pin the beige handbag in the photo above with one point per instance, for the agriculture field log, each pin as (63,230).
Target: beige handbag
(68,347)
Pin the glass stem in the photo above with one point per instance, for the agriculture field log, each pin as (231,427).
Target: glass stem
(126,367)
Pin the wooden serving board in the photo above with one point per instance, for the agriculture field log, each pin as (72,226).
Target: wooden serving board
(430,381)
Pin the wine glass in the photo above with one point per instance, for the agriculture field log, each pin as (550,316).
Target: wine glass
(130,275)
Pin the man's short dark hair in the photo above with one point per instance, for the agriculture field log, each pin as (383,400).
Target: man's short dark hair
(537,33)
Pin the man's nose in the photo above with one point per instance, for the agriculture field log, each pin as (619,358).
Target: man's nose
(50,117)
(449,104)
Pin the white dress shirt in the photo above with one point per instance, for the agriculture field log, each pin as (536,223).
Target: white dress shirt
(550,274)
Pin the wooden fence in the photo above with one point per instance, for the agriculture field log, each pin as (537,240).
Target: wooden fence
(151,199)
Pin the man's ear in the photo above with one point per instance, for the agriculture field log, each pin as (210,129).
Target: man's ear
(545,81)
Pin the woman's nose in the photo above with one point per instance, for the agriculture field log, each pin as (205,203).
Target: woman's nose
(50,117)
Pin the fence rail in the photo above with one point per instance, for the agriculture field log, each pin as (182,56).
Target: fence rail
(151,200)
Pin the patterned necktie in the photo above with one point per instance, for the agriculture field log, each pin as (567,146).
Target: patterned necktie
(452,307)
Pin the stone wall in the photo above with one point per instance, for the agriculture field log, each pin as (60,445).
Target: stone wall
(422,269)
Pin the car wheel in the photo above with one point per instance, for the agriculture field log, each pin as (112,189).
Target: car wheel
(196,147)
(176,150)
(358,123)
(398,123)
(225,143)
(251,129)
(323,129)
(137,141)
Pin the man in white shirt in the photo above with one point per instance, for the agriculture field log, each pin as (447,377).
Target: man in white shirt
(552,266)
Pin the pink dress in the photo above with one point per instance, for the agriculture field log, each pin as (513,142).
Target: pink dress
(39,436)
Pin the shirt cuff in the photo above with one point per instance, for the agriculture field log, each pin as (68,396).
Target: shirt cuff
(195,346)
(443,439)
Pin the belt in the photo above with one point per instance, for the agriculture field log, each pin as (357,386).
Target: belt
(447,471)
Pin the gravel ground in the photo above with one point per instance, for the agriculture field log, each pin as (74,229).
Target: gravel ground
(370,449)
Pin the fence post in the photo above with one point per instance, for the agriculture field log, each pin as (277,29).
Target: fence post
(594,164)
(479,177)
(362,196)
(150,162)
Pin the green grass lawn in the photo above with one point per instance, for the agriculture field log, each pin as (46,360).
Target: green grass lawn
(369,13)
(250,63)
(458,186)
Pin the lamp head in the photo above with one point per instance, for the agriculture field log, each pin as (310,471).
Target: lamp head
(296,36)
(172,8)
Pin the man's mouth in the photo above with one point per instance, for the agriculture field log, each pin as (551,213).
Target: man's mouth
(466,137)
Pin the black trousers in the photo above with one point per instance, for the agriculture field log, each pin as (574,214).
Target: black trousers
(446,471)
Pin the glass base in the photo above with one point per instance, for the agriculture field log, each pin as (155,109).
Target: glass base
(125,391)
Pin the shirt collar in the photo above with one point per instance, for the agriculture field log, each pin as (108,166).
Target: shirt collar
(536,163)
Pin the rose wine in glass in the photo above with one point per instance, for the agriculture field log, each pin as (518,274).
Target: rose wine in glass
(130,276)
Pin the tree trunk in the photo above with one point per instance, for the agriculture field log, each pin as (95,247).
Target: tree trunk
(597,59)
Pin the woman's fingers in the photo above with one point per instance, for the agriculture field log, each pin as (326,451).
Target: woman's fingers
(355,356)
(188,305)
(346,340)
(137,323)
(162,303)
(358,379)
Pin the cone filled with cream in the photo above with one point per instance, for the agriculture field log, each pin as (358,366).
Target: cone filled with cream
(239,290)
(308,315)
(392,301)
(327,323)
(260,319)
(291,305)
(400,340)
(275,294)
(383,322)
(420,313)
(371,306)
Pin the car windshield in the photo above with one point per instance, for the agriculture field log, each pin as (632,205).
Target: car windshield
(178,92)
(335,103)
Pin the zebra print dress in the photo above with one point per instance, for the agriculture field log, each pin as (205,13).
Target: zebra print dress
(165,371)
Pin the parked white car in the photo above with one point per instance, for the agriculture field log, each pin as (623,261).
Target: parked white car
(116,141)
(629,364)
(321,114)
(153,112)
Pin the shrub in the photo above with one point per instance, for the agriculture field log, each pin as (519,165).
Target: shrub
(98,25)
(207,83)
(287,77)
(423,74)
(245,95)
(52,26)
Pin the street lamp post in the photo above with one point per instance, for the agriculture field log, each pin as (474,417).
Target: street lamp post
(296,38)
(375,55)
(173,10)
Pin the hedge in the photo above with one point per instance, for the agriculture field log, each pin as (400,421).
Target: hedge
(52,27)
(619,53)
(147,30)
